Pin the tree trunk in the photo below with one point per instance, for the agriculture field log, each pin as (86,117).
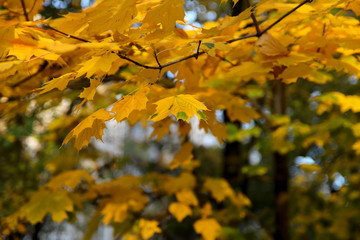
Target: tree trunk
(232,157)
(281,172)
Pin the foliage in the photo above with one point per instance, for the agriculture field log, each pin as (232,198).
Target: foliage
(283,73)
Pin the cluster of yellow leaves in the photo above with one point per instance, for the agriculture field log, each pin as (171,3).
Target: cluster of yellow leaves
(112,36)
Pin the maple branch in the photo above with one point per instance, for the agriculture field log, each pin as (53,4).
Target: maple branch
(65,34)
(241,38)
(41,68)
(24,9)
(284,16)
(157,60)
(197,54)
(197,51)
(258,32)
(225,60)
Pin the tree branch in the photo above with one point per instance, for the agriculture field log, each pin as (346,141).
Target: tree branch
(197,54)
(65,34)
(258,32)
(284,16)
(198,50)
(41,68)
(24,9)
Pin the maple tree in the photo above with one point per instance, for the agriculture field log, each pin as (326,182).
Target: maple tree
(283,75)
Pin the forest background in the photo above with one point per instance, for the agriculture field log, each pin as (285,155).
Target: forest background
(218,119)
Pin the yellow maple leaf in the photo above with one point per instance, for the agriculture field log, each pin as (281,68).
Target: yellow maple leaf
(161,128)
(179,210)
(206,210)
(115,211)
(166,14)
(182,106)
(241,113)
(98,65)
(173,185)
(124,107)
(184,156)
(148,228)
(59,83)
(356,147)
(187,197)
(209,228)
(69,179)
(43,202)
(219,188)
(240,200)
(123,199)
(354,6)
(89,92)
(270,46)
(111,15)
(93,125)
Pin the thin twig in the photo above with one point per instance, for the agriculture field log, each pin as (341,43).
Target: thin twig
(67,35)
(41,68)
(242,38)
(225,60)
(284,16)
(254,19)
(198,49)
(24,9)
(157,60)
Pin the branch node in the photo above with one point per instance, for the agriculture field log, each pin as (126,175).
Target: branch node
(198,50)
(157,60)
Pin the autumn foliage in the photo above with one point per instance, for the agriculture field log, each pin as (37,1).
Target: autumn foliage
(280,78)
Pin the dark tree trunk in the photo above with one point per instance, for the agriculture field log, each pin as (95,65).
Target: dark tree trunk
(232,157)
(281,172)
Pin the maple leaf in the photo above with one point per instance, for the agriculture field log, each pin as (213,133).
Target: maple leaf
(161,128)
(182,106)
(148,228)
(99,65)
(184,158)
(219,188)
(166,14)
(43,202)
(209,228)
(179,210)
(59,83)
(173,185)
(111,15)
(124,107)
(69,179)
(356,147)
(115,211)
(93,125)
(270,46)
(187,197)
(89,92)
(123,199)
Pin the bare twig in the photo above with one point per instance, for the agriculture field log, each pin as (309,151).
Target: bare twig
(284,16)
(66,35)
(24,9)
(241,38)
(254,19)
(198,49)
(157,60)
(41,68)
(225,60)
